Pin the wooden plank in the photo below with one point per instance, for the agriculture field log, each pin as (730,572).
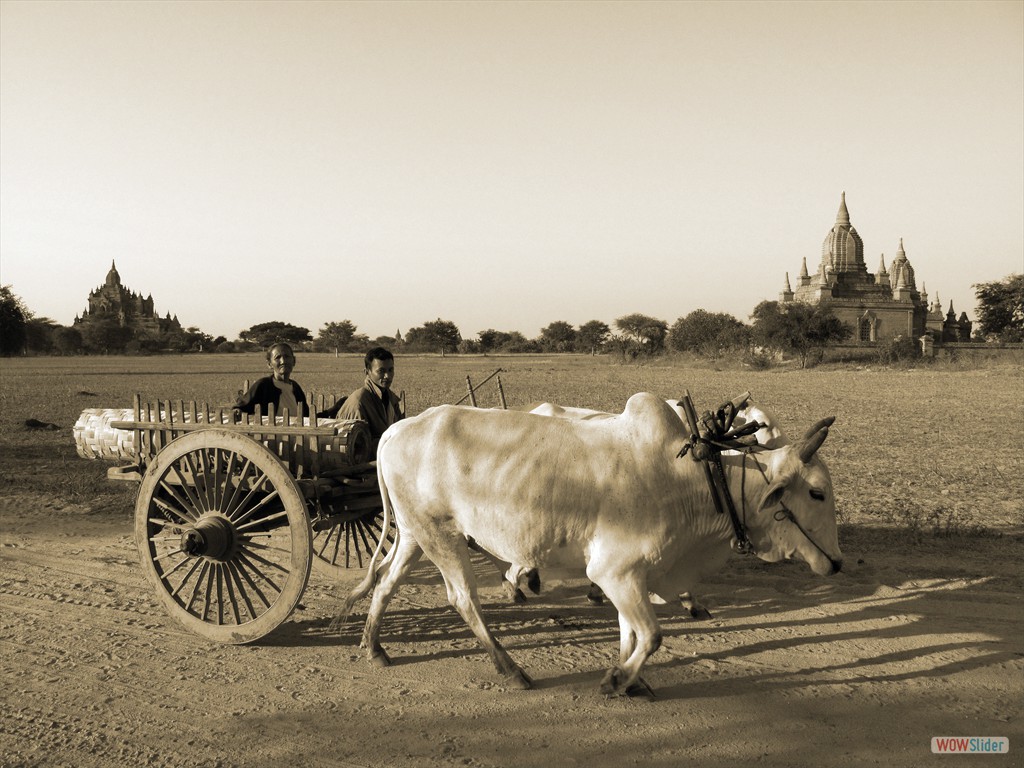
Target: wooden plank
(140,453)
(253,429)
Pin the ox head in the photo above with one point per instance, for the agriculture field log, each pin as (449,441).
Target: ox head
(796,512)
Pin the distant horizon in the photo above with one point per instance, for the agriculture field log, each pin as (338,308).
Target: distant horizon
(499,165)
(465,334)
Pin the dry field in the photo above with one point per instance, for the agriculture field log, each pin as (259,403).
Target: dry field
(921,635)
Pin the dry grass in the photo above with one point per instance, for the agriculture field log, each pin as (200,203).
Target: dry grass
(936,455)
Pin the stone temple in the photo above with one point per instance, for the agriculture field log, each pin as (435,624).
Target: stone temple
(112,302)
(878,306)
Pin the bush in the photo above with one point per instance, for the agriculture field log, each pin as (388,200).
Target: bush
(899,350)
(759,360)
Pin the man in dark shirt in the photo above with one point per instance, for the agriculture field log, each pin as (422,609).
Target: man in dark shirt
(374,402)
(278,389)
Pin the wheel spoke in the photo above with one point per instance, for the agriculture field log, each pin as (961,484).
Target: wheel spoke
(259,572)
(268,563)
(229,508)
(262,520)
(194,490)
(177,551)
(220,594)
(216,471)
(195,587)
(201,460)
(234,577)
(186,488)
(267,548)
(252,493)
(183,513)
(166,572)
(252,584)
(209,591)
(348,547)
(195,564)
(262,503)
(361,529)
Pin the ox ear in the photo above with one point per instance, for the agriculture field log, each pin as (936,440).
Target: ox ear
(812,442)
(773,493)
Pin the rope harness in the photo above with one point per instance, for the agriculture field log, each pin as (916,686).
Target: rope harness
(713,434)
(706,446)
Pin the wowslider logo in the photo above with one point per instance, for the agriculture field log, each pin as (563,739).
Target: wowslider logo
(970,745)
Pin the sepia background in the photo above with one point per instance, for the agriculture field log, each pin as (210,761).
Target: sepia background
(500,165)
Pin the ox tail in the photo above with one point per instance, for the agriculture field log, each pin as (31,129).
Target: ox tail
(376,564)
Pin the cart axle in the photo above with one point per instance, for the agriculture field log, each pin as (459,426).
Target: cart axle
(212,537)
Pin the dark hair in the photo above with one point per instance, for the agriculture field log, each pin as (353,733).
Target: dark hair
(284,344)
(377,353)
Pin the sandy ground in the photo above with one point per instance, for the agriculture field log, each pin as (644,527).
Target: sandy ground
(862,668)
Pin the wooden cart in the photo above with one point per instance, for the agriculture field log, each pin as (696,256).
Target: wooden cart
(233,511)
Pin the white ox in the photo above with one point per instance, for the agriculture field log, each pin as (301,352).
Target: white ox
(609,495)
(769,435)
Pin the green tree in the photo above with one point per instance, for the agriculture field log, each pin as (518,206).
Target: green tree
(68,341)
(710,334)
(189,340)
(14,317)
(644,335)
(435,336)
(492,340)
(517,343)
(799,328)
(40,335)
(1001,308)
(341,336)
(560,336)
(106,337)
(591,336)
(265,334)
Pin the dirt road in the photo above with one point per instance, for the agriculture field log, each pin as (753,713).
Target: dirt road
(859,669)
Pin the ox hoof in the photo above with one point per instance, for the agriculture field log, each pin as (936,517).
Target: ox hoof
(610,683)
(533,580)
(519,680)
(379,659)
(700,613)
(595,595)
(518,596)
(640,689)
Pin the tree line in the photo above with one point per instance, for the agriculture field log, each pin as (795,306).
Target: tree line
(802,330)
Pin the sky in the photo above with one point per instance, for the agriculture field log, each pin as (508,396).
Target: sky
(499,164)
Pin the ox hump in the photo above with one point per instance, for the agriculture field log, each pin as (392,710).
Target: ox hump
(652,416)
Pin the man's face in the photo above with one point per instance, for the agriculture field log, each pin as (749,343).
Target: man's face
(382,373)
(281,363)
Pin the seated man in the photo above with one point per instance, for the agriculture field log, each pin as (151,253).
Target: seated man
(278,389)
(374,402)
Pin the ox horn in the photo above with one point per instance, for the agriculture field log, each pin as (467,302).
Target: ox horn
(811,445)
(823,424)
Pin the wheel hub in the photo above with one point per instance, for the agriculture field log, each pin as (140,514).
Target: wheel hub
(211,537)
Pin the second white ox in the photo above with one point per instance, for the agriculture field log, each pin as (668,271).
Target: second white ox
(609,495)
(769,435)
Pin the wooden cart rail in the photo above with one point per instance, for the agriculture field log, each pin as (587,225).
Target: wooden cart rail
(309,447)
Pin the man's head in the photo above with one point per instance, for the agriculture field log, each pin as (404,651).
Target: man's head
(281,360)
(380,367)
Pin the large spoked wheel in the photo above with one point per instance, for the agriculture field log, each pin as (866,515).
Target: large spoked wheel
(224,535)
(350,542)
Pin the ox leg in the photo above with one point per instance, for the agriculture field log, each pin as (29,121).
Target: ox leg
(407,554)
(697,611)
(457,571)
(509,574)
(639,633)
